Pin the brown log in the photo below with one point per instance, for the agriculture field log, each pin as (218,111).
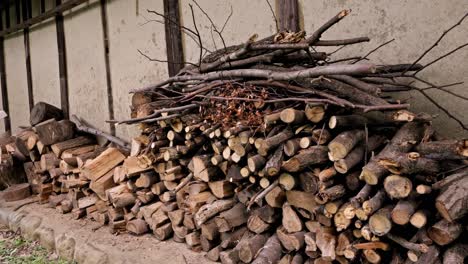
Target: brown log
(309,182)
(58,148)
(444,149)
(342,144)
(232,218)
(103,163)
(397,187)
(146,179)
(287,181)
(452,200)
(419,218)
(344,240)
(455,254)
(273,165)
(409,163)
(380,222)
(264,146)
(292,146)
(357,154)
(203,169)
(213,254)
(16,192)
(51,131)
(232,239)
(210,230)
(66,206)
(123,199)
(403,211)
(304,200)
(248,249)
(292,116)
(314,112)
(291,221)
(401,142)
(276,197)
(100,185)
(271,251)
(137,226)
(49,161)
(256,163)
(43,111)
(326,242)
(348,121)
(330,194)
(209,210)
(74,152)
(290,241)
(372,256)
(341,221)
(221,189)
(375,203)
(444,232)
(307,157)
(423,248)
(195,201)
(18,149)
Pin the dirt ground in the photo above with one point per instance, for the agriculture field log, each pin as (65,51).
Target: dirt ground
(138,249)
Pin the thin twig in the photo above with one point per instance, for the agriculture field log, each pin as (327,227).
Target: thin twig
(227,19)
(274,16)
(436,43)
(158,60)
(441,57)
(198,34)
(212,23)
(374,50)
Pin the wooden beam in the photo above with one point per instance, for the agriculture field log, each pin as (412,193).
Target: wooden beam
(62,57)
(18,12)
(27,13)
(3,82)
(174,49)
(59,9)
(7,18)
(105,30)
(288,15)
(42,6)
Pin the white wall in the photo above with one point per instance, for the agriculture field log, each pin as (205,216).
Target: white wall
(17,85)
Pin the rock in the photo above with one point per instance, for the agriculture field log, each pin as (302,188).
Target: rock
(14,220)
(46,237)
(89,254)
(28,225)
(65,247)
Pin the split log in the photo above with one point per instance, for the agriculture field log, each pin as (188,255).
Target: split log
(231,218)
(58,148)
(455,254)
(137,227)
(290,241)
(270,252)
(43,111)
(103,163)
(291,221)
(444,232)
(51,131)
(249,249)
(16,192)
(307,157)
(209,210)
(326,242)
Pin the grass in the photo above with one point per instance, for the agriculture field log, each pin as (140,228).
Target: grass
(16,250)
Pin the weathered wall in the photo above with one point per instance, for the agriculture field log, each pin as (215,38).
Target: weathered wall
(87,85)
(415,26)
(128,32)
(44,63)
(248,18)
(16,81)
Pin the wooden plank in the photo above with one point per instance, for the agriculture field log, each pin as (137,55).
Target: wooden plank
(110,98)
(62,57)
(175,55)
(288,15)
(67,5)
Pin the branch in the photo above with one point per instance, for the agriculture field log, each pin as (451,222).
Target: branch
(157,60)
(437,42)
(198,35)
(154,114)
(374,50)
(81,127)
(441,57)
(274,15)
(212,23)
(318,33)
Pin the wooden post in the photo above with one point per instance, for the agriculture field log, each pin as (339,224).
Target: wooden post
(62,57)
(175,55)
(288,15)
(27,13)
(105,31)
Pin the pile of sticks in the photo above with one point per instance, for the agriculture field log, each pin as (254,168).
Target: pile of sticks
(269,152)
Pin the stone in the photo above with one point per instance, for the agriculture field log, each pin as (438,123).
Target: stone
(89,254)
(65,247)
(14,220)
(46,237)
(28,225)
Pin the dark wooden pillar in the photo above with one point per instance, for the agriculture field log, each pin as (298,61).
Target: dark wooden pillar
(174,49)
(105,33)
(62,57)
(27,14)
(288,15)
(3,82)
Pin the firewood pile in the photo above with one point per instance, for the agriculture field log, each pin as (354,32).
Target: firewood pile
(268,152)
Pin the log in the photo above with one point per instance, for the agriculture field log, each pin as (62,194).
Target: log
(455,254)
(342,144)
(163,232)
(249,249)
(375,203)
(292,116)
(292,146)
(304,200)
(307,157)
(444,149)
(137,227)
(397,187)
(330,194)
(209,210)
(452,200)
(309,182)
(409,163)
(380,222)
(49,161)
(232,218)
(102,184)
(290,241)
(221,189)
(213,254)
(43,111)
(60,147)
(314,112)
(276,197)
(51,131)
(401,142)
(326,242)
(444,232)
(287,181)
(270,252)
(403,211)
(102,164)
(272,142)
(273,165)
(209,230)
(16,192)
(419,218)
(291,221)
(357,154)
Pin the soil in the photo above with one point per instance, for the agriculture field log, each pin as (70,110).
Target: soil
(139,249)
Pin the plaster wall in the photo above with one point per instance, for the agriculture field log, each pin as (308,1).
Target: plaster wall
(16,81)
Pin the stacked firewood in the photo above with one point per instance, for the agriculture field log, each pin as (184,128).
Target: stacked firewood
(269,152)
